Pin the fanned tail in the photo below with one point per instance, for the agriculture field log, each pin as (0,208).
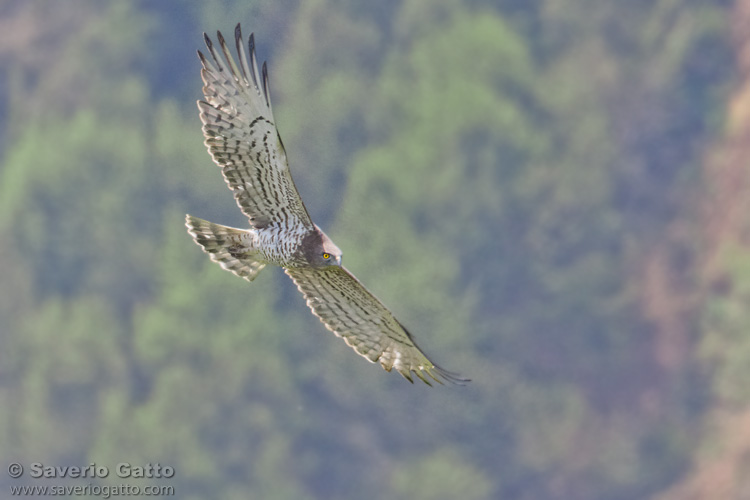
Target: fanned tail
(229,247)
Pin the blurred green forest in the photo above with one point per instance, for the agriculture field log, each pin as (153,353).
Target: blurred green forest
(553,196)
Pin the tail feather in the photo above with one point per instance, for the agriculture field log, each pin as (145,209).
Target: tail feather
(229,247)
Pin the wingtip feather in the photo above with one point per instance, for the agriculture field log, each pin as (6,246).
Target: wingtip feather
(266,85)
(452,377)
(253,62)
(421,376)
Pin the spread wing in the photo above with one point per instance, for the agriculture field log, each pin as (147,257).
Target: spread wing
(241,136)
(350,311)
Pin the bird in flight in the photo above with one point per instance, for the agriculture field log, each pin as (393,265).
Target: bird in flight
(241,137)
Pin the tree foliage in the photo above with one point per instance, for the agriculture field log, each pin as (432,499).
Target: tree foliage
(499,173)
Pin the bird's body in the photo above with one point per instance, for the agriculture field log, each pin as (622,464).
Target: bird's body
(242,139)
(277,245)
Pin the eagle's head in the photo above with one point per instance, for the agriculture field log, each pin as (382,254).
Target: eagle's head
(319,251)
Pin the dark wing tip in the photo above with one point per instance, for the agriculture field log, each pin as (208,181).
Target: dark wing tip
(251,50)
(237,32)
(452,377)
(207,39)
(266,85)
(420,374)
(220,38)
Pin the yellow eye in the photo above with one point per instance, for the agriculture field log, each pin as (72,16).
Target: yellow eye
(326,256)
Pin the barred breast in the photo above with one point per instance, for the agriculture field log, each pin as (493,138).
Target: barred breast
(279,245)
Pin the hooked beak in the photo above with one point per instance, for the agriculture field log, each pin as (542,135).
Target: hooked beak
(338,260)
